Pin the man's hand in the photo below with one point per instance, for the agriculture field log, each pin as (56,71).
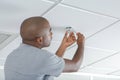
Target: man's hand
(68,40)
(80,39)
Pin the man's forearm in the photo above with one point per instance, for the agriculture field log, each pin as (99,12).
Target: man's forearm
(60,51)
(74,64)
(77,59)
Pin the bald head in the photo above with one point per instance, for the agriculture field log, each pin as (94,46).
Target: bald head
(33,27)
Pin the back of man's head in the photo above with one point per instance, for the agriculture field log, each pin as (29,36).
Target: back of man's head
(33,26)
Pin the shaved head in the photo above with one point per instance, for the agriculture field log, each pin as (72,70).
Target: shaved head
(33,27)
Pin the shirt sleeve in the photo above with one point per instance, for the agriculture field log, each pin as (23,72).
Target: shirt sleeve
(54,66)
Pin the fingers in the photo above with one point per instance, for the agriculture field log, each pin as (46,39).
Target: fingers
(71,34)
(80,38)
(79,35)
(69,38)
(66,33)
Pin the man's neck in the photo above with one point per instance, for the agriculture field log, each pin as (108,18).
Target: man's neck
(32,43)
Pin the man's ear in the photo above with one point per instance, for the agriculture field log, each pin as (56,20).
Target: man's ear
(39,40)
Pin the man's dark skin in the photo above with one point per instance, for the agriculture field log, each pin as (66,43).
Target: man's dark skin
(36,31)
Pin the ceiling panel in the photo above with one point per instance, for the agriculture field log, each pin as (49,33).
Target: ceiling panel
(80,20)
(13,12)
(104,7)
(96,70)
(107,39)
(93,55)
(3,37)
(105,66)
(116,73)
(6,38)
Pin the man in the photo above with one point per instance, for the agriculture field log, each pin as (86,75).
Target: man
(30,62)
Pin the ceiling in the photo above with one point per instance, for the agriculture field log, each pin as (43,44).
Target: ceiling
(98,20)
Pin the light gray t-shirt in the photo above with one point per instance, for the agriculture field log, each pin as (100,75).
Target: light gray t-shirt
(31,63)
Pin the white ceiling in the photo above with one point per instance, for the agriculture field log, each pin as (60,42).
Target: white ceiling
(98,20)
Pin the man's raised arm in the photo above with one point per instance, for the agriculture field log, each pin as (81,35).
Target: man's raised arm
(74,64)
